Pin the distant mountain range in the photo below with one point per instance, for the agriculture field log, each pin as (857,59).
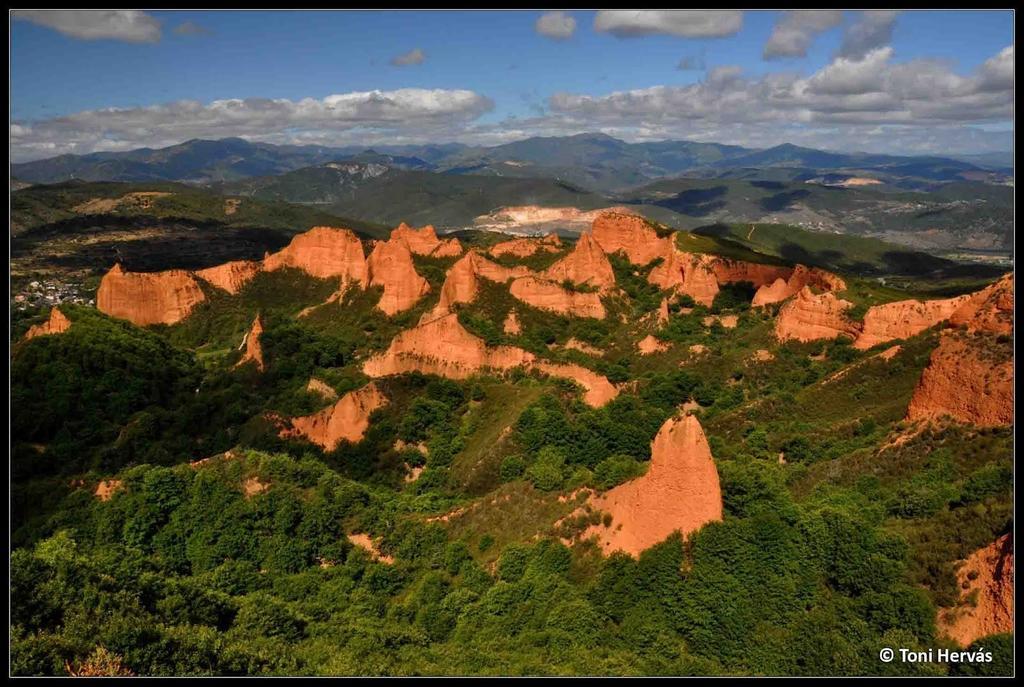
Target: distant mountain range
(594,162)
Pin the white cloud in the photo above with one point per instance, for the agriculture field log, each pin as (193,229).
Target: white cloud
(684,23)
(796,30)
(414,56)
(872,30)
(556,25)
(355,117)
(132,26)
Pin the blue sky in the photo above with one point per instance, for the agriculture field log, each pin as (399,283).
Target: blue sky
(523,82)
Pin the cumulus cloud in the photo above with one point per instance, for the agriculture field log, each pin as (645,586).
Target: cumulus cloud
(132,26)
(414,56)
(872,30)
(436,114)
(556,25)
(684,23)
(796,30)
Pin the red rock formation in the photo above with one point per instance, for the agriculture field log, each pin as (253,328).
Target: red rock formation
(662,317)
(727,271)
(511,325)
(145,298)
(525,247)
(597,390)
(686,273)
(812,316)
(904,319)
(461,283)
(346,420)
(988,310)
(801,277)
(631,235)
(986,597)
(323,252)
(574,344)
(231,276)
(424,241)
(251,342)
(322,388)
(390,265)
(106,489)
(57,323)
(964,382)
(586,264)
(679,492)
(650,345)
(443,347)
(548,295)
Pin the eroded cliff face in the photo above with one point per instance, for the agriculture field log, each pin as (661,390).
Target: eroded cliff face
(251,343)
(548,295)
(650,345)
(424,241)
(525,247)
(904,319)
(57,323)
(728,271)
(987,578)
(811,316)
(967,381)
(146,298)
(630,234)
(680,491)
(461,283)
(390,265)
(443,347)
(801,276)
(687,273)
(988,310)
(346,420)
(231,276)
(587,265)
(323,252)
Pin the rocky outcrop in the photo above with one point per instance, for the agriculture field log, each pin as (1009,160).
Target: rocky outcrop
(57,323)
(424,241)
(443,347)
(728,271)
(663,314)
(780,289)
(986,595)
(346,420)
(322,389)
(680,491)
(629,234)
(323,252)
(251,344)
(966,382)
(548,295)
(812,316)
(146,298)
(511,325)
(687,273)
(390,265)
(904,319)
(650,345)
(989,310)
(597,390)
(461,283)
(574,344)
(586,265)
(231,276)
(525,247)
